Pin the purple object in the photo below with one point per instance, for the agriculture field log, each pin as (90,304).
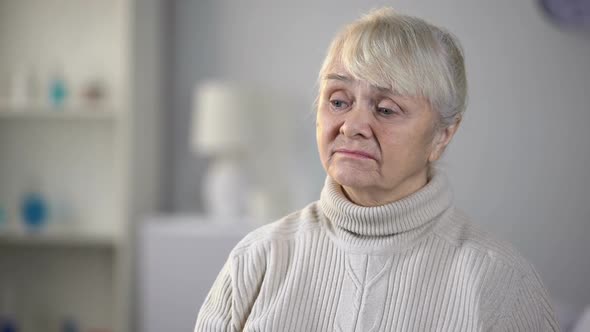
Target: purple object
(70,325)
(574,13)
(7,325)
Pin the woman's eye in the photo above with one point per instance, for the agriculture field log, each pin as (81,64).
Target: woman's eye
(338,104)
(386,111)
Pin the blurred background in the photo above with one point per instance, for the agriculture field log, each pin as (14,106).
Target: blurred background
(141,139)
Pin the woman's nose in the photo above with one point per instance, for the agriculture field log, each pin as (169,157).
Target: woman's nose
(357,123)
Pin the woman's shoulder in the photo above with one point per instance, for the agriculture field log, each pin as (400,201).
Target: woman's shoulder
(465,235)
(511,282)
(283,230)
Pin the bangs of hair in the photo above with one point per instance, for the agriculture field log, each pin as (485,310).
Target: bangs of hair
(397,52)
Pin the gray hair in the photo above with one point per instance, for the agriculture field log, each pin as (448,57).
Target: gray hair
(407,55)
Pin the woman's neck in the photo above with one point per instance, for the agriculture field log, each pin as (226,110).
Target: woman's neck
(380,196)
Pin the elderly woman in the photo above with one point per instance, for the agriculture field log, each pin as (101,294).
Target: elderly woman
(384,248)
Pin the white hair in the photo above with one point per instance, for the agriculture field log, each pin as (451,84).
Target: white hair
(407,55)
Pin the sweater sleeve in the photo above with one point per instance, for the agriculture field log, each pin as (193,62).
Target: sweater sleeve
(216,311)
(234,292)
(529,308)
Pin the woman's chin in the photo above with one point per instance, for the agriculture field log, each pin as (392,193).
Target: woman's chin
(352,178)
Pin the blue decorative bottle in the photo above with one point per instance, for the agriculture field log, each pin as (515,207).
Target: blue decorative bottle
(57,92)
(34,211)
(58,88)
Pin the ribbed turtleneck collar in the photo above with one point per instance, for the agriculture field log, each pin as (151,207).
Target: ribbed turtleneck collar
(396,223)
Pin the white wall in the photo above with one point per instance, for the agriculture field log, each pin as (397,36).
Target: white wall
(519,162)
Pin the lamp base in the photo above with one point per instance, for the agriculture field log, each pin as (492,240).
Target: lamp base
(225,190)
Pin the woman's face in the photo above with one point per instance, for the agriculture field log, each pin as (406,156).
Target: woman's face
(373,142)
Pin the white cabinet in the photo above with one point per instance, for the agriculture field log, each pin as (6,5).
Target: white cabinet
(96,164)
(179,258)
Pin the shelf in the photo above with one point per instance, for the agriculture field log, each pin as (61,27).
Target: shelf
(66,113)
(56,239)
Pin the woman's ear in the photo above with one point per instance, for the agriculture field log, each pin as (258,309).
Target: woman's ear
(442,139)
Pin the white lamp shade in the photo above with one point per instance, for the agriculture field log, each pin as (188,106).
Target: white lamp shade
(222,118)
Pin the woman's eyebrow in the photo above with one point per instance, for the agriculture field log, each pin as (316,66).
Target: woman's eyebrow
(384,90)
(338,77)
(348,79)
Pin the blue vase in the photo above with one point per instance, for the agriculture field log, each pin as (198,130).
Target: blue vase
(34,211)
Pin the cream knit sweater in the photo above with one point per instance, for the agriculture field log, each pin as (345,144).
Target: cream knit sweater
(417,264)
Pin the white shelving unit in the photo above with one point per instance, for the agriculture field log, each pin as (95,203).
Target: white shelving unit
(43,113)
(95,164)
(62,238)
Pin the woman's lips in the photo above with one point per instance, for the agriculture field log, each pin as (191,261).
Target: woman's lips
(355,153)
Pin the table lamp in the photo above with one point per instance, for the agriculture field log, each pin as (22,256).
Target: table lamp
(223,117)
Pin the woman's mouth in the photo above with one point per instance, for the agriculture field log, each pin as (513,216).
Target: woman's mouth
(359,154)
